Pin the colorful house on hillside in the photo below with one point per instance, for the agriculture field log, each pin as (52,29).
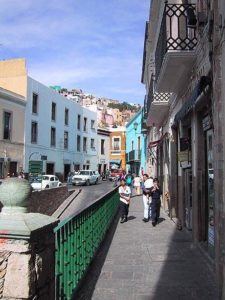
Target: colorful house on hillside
(135,145)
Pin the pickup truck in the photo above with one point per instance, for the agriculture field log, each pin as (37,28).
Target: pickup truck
(86,177)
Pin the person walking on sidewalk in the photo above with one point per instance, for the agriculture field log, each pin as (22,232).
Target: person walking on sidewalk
(129,181)
(137,185)
(148,183)
(125,193)
(155,193)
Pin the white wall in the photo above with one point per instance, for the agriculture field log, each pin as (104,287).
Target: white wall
(57,155)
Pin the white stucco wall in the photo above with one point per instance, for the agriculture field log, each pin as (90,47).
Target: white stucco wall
(57,155)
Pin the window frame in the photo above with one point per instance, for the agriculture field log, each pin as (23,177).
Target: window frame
(103,147)
(66,141)
(66,117)
(34,141)
(84,144)
(10,125)
(78,144)
(37,103)
(53,144)
(53,104)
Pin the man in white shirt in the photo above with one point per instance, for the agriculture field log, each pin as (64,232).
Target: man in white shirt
(148,183)
(125,194)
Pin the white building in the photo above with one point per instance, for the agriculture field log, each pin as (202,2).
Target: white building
(60,134)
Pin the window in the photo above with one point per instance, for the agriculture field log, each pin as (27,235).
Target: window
(78,143)
(53,131)
(85,124)
(84,144)
(92,143)
(66,137)
(53,111)
(116,143)
(66,116)
(92,124)
(102,146)
(34,132)
(35,104)
(132,145)
(78,122)
(7,126)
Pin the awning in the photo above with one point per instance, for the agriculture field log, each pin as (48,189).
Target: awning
(189,104)
(156,143)
(115,162)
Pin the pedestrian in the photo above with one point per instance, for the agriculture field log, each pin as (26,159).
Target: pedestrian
(155,193)
(125,193)
(148,184)
(137,184)
(129,181)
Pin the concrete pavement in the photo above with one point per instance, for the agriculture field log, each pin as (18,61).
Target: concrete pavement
(138,261)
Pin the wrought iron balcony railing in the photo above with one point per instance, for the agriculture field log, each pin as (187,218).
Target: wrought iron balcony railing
(177,32)
(134,155)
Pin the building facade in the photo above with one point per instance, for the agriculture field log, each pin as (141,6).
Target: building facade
(117,153)
(12,115)
(60,135)
(183,72)
(135,145)
(103,150)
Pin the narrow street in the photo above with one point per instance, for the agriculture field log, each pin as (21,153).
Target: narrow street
(141,262)
(87,196)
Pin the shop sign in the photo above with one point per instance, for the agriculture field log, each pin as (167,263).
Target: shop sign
(184,156)
(102,161)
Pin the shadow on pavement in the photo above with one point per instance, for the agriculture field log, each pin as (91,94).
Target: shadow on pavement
(131,218)
(87,285)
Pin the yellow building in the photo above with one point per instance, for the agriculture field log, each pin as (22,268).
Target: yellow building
(117,153)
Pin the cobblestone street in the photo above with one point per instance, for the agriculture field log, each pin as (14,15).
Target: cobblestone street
(138,261)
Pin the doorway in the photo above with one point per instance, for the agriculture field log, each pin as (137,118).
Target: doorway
(66,170)
(210,192)
(13,168)
(188,198)
(50,168)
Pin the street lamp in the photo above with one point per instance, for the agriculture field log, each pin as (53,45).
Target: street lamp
(135,126)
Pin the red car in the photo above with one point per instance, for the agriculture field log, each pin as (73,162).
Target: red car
(115,173)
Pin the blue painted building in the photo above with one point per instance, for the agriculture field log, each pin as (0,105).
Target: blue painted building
(136,144)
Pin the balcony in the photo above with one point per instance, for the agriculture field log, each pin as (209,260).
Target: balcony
(157,106)
(133,156)
(175,53)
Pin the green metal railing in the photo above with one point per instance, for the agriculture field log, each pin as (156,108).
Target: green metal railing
(78,238)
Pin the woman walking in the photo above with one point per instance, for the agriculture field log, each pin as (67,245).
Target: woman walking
(125,193)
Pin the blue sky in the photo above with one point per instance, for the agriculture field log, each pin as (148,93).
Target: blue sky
(95,45)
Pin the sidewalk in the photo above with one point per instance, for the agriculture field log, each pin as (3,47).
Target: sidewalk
(138,261)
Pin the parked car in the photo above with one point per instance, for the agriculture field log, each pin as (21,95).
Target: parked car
(115,173)
(44,182)
(86,177)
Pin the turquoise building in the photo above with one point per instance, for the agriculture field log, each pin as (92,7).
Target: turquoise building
(136,144)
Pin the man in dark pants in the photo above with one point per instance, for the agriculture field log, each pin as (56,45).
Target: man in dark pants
(156,201)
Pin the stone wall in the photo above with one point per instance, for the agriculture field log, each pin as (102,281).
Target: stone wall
(27,268)
(47,201)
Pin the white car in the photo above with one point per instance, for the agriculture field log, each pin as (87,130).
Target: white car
(86,177)
(45,182)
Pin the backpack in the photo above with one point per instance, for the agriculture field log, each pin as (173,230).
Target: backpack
(129,180)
